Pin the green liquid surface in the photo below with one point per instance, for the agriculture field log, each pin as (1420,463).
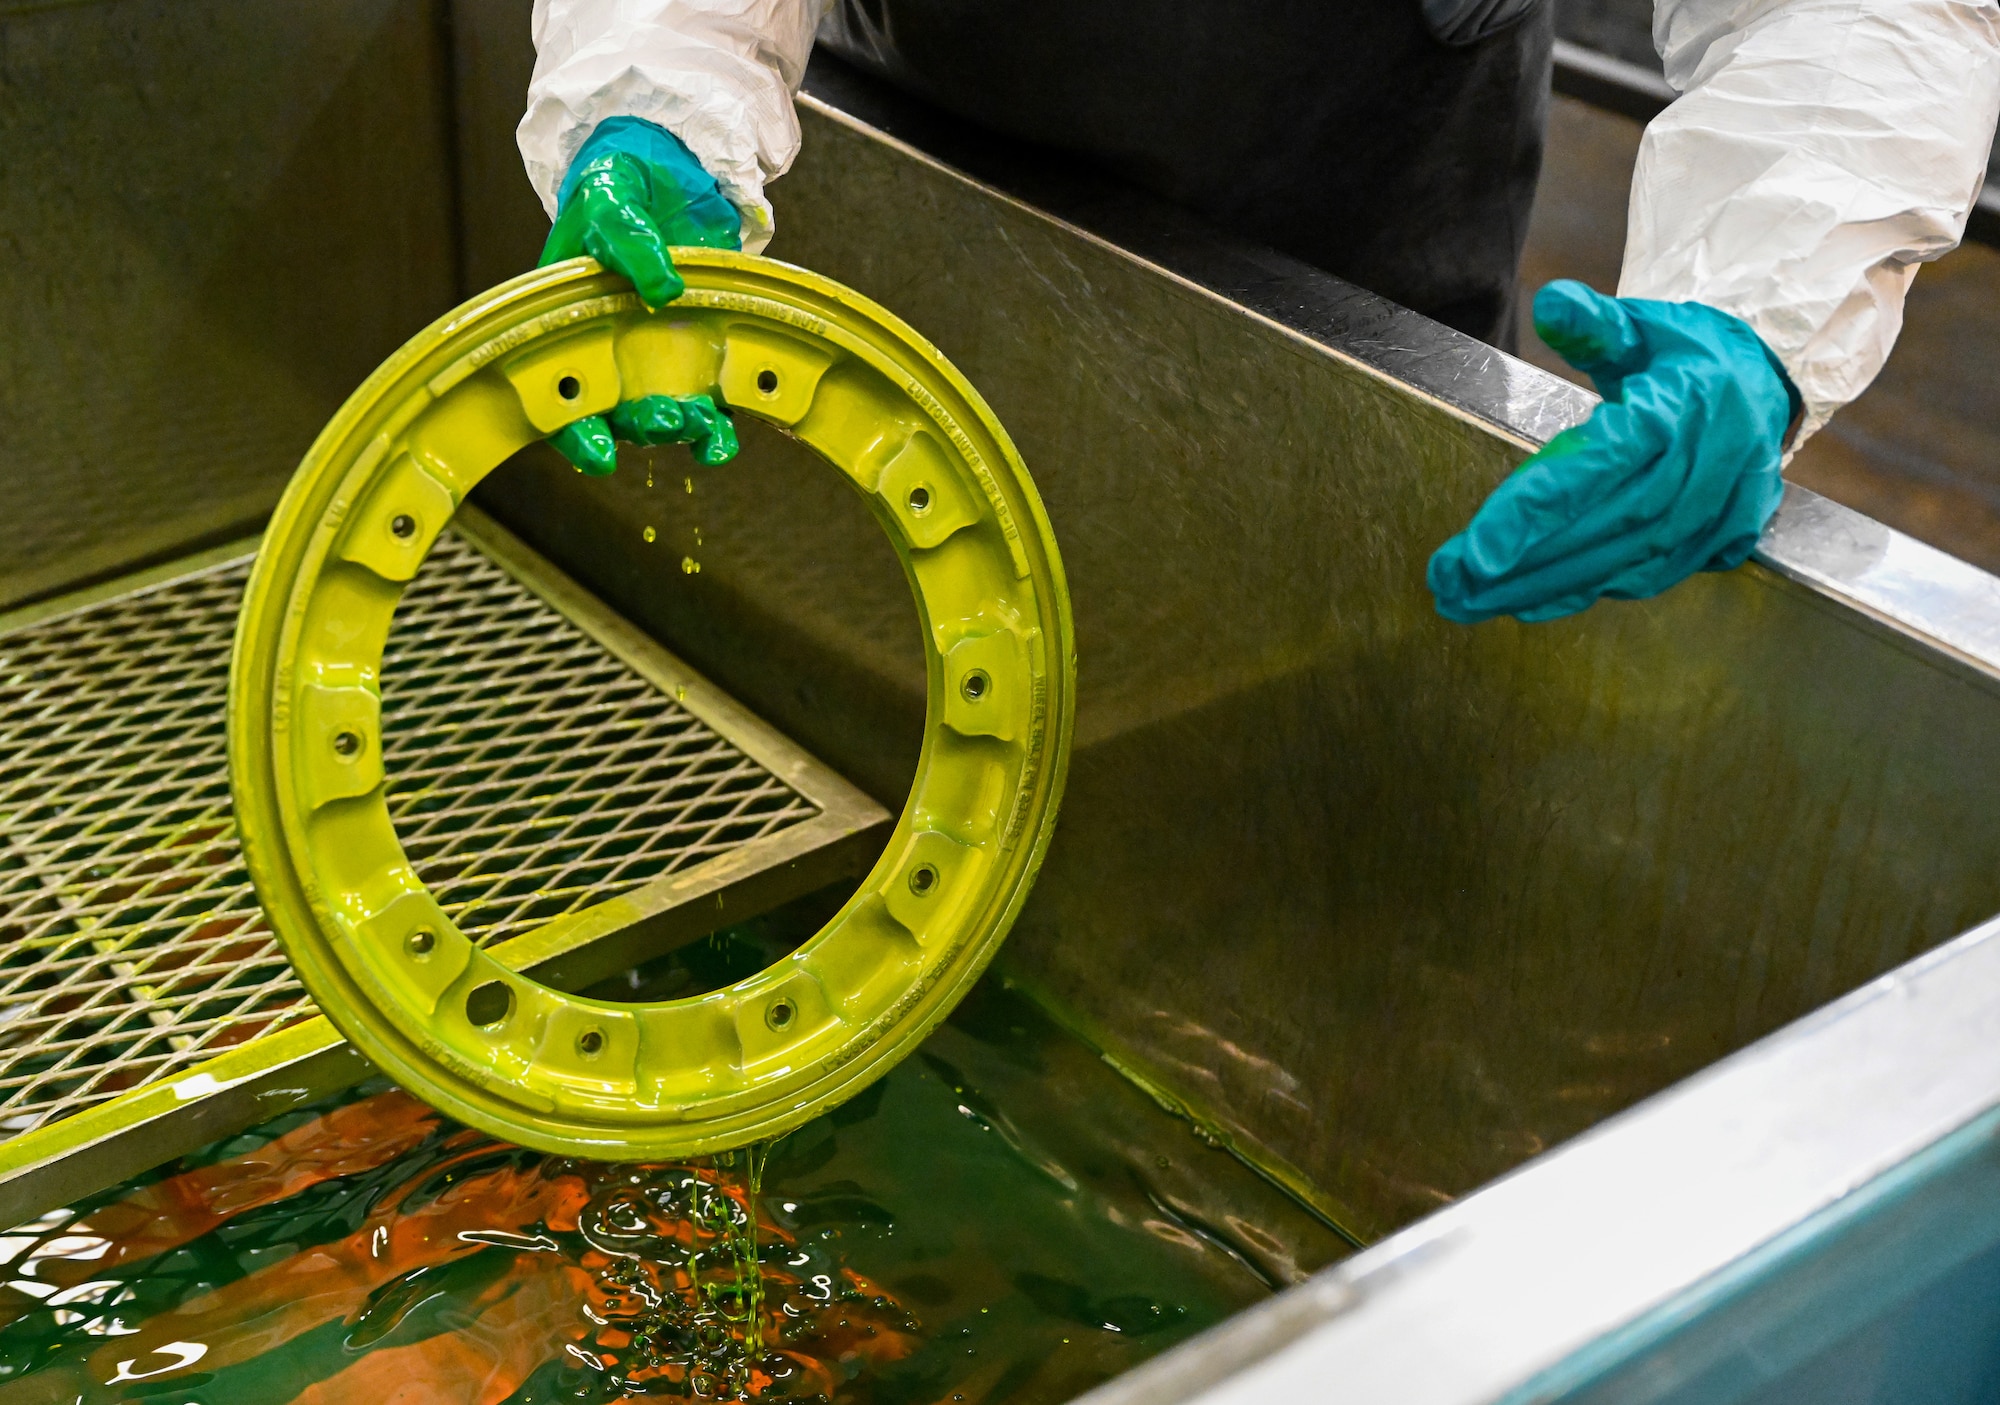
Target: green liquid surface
(1003,1217)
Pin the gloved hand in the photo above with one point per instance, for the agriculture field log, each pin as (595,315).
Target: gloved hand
(632,194)
(1676,472)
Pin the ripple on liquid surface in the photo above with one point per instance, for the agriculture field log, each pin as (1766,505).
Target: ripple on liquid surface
(1001,1218)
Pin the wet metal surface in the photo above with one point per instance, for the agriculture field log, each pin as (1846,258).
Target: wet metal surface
(1400,904)
(1815,1219)
(219,217)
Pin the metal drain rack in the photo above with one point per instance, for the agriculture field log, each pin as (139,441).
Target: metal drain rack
(551,771)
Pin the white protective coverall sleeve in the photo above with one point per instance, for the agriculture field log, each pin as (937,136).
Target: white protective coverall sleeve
(718,74)
(1821,150)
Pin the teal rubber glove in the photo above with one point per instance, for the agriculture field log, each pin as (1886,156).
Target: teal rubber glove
(634,193)
(1676,472)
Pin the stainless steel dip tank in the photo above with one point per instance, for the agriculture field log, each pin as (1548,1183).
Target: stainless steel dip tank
(1470,936)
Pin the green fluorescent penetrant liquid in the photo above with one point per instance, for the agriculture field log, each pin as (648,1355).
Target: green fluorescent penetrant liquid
(1002,1218)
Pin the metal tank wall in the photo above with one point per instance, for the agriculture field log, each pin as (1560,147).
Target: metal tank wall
(1397,905)
(216,217)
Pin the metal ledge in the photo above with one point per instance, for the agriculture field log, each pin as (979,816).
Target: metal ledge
(1610,83)
(1664,1233)
(1519,399)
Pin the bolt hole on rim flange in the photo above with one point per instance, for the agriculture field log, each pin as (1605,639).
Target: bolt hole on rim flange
(489,1005)
(386,963)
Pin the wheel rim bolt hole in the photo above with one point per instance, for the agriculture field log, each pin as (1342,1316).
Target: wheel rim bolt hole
(920,500)
(347,743)
(923,880)
(421,943)
(590,1043)
(402,526)
(569,387)
(781,1014)
(976,685)
(489,1005)
(767,382)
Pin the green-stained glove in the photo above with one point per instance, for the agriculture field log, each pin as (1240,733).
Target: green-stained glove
(592,442)
(1676,472)
(632,194)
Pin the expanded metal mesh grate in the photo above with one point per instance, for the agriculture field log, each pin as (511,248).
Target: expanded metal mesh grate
(531,773)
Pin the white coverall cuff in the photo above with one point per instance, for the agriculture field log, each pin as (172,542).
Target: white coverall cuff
(1822,149)
(718,74)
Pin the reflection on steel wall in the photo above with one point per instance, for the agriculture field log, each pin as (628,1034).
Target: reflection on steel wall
(218,217)
(1395,902)
(493,52)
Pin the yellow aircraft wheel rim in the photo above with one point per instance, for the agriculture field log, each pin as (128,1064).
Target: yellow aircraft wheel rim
(388,966)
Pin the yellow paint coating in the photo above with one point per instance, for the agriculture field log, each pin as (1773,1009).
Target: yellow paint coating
(388,965)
